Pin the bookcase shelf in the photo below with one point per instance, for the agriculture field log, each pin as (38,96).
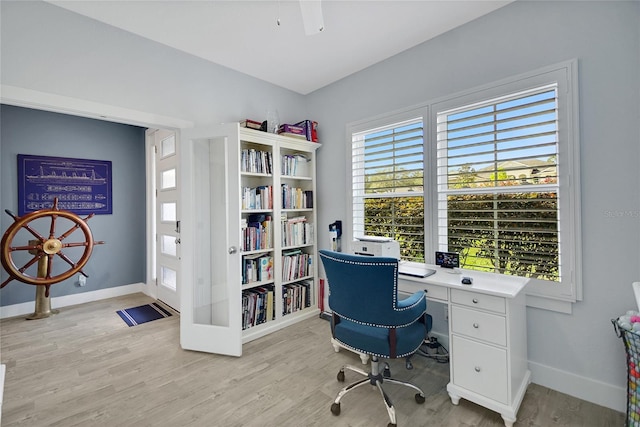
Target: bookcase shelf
(253,227)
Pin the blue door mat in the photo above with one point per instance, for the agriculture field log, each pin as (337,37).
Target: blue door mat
(143,314)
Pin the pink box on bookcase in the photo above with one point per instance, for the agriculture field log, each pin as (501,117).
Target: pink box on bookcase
(291,129)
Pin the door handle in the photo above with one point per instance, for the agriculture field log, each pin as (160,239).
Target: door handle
(233,250)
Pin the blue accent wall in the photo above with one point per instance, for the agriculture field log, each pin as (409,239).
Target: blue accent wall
(36,132)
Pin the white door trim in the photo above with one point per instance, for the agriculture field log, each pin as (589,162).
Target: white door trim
(21,97)
(151,287)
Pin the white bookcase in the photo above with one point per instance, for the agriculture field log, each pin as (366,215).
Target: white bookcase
(253,267)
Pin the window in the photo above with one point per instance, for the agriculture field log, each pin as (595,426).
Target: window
(388,182)
(499,182)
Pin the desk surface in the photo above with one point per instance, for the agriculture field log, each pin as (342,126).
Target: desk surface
(486,283)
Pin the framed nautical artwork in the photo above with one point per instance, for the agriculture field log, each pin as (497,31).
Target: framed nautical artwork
(81,186)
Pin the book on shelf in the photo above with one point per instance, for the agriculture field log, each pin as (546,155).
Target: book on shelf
(295,165)
(257,306)
(296,198)
(266,268)
(256,236)
(256,161)
(296,264)
(270,310)
(310,129)
(251,124)
(308,199)
(257,268)
(257,198)
(296,231)
(296,296)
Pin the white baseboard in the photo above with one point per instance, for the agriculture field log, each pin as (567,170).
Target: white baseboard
(603,394)
(588,389)
(73,299)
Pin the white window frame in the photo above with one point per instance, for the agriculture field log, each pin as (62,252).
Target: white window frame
(367,126)
(556,296)
(400,159)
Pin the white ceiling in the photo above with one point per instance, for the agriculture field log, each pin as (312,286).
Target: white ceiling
(245,36)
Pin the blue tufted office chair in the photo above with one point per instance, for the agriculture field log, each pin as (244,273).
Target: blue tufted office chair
(369,318)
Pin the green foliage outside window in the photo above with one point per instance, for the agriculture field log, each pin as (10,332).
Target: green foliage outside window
(513,233)
(400,218)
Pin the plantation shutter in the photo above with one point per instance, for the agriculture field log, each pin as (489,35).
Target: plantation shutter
(388,185)
(498,186)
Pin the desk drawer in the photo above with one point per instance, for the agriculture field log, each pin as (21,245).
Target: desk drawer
(480,368)
(436,292)
(478,300)
(479,325)
(433,292)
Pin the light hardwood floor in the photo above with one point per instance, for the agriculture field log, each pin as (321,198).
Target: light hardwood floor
(85,367)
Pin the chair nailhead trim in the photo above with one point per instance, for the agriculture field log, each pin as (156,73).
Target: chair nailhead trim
(376,324)
(384,356)
(395,280)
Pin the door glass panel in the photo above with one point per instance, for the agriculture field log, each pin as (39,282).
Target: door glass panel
(168,179)
(168,211)
(168,245)
(168,277)
(211,293)
(168,146)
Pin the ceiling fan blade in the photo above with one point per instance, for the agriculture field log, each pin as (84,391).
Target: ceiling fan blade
(312,16)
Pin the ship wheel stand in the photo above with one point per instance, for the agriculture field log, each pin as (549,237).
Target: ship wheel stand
(45,249)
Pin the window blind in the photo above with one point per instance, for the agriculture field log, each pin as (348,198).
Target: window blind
(497,174)
(388,185)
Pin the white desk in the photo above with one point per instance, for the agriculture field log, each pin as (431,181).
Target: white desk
(487,336)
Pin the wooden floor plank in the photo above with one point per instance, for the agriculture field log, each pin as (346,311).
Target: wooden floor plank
(86,367)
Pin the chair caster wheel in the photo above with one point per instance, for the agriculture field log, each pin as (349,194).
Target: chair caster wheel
(335,409)
(419,398)
(391,425)
(340,376)
(386,372)
(408,364)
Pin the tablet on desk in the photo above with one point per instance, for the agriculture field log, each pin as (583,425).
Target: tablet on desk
(415,270)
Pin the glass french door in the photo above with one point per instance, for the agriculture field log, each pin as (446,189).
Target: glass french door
(211,315)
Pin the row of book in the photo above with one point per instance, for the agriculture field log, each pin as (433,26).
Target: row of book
(257,268)
(306,129)
(296,198)
(260,197)
(256,161)
(295,165)
(296,296)
(257,306)
(296,231)
(296,265)
(257,232)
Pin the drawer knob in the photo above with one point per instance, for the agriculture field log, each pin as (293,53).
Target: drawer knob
(475,300)
(477,368)
(475,325)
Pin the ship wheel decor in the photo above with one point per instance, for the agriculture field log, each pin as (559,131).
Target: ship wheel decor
(40,254)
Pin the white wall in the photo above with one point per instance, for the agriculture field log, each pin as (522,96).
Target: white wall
(48,49)
(578,354)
